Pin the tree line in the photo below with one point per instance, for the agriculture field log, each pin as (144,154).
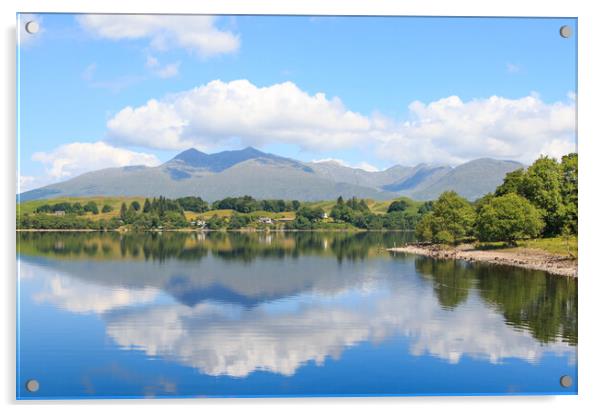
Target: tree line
(356,213)
(541,200)
(73,208)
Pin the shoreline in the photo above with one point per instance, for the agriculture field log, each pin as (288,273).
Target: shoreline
(532,259)
(355,230)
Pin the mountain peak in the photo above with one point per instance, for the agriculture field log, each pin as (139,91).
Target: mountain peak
(192,157)
(219,161)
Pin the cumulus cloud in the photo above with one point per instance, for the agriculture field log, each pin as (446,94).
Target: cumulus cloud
(453,131)
(198,34)
(447,131)
(219,111)
(76,158)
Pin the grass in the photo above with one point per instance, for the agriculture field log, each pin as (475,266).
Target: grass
(559,245)
(565,246)
(30,206)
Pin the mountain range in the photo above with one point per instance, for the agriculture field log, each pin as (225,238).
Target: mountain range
(266,176)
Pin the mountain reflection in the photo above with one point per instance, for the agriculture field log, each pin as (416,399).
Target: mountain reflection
(234,303)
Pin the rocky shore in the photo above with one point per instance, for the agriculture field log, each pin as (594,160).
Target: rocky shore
(532,259)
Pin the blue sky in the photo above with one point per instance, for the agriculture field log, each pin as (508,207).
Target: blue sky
(369,92)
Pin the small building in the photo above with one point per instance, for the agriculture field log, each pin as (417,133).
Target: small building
(265,220)
(325,215)
(59,213)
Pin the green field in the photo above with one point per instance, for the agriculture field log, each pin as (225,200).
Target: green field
(567,246)
(30,206)
(377,207)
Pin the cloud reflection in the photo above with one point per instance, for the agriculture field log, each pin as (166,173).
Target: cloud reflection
(284,334)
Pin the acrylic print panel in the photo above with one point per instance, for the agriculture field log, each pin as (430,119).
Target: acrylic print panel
(268,206)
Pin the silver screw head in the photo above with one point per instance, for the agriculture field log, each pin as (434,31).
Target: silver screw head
(32,386)
(32,27)
(566,31)
(566,381)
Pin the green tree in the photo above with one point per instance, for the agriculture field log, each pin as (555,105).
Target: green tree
(123,212)
(91,207)
(452,214)
(508,218)
(135,205)
(569,190)
(425,207)
(106,208)
(399,205)
(513,183)
(542,185)
(147,206)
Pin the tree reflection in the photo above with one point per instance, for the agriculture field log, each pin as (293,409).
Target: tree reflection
(543,304)
(232,246)
(451,279)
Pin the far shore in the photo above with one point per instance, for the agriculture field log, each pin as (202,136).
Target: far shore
(532,259)
(212,230)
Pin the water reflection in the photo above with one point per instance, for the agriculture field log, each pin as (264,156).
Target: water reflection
(234,304)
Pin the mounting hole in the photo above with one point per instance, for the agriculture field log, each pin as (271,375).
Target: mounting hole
(566,381)
(32,27)
(566,31)
(32,386)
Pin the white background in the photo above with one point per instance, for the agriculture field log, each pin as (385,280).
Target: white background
(590,159)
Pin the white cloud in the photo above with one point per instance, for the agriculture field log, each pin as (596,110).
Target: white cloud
(76,158)
(195,33)
(452,131)
(361,165)
(27,182)
(217,112)
(169,70)
(163,71)
(448,131)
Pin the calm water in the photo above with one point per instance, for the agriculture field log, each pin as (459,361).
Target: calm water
(184,315)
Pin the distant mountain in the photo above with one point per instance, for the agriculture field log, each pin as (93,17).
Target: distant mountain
(471,180)
(267,176)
